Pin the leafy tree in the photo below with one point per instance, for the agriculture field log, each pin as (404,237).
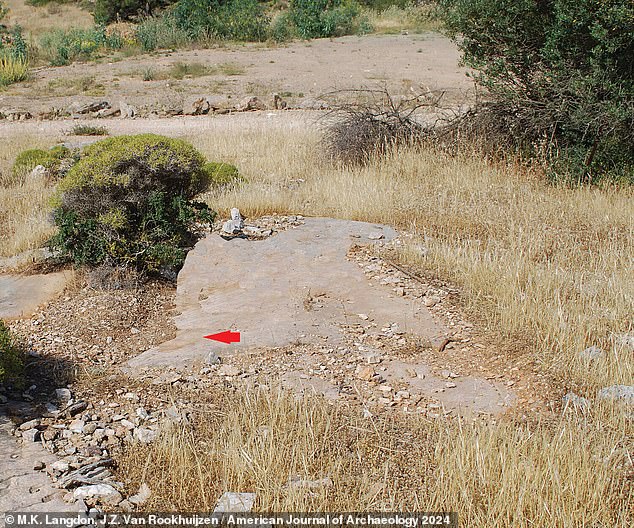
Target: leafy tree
(559,71)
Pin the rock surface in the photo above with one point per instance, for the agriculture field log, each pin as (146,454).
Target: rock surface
(297,286)
(21,295)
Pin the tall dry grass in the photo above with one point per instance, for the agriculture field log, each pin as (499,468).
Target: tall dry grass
(38,19)
(566,473)
(24,208)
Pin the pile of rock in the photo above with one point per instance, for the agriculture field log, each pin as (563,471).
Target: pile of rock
(83,436)
(260,228)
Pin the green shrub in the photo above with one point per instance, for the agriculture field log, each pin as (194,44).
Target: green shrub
(161,33)
(325,18)
(230,19)
(12,69)
(282,29)
(107,11)
(63,46)
(88,130)
(11,357)
(559,74)
(57,161)
(128,202)
(222,173)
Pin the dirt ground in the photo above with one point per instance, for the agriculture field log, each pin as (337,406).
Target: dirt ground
(406,64)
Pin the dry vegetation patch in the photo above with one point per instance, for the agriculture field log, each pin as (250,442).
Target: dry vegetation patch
(309,455)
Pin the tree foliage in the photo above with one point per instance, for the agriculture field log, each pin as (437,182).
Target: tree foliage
(561,68)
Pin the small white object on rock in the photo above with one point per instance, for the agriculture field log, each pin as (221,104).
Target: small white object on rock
(235,225)
(618,393)
(103,492)
(376,236)
(234,502)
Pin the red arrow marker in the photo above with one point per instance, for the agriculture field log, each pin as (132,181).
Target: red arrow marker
(225,337)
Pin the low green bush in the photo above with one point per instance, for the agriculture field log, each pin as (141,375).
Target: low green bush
(559,78)
(128,202)
(161,33)
(60,47)
(107,11)
(221,174)
(11,357)
(230,20)
(326,18)
(57,160)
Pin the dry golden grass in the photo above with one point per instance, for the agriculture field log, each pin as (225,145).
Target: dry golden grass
(37,20)
(568,473)
(24,209)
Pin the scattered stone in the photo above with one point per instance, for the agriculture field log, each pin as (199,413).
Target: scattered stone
(142,413)
(249,104)
(299,483)
(31,435)
(363,317)
(87,108)
(63,394)
(228,370)
(76,426)
(430,302)
(592,353)
(142,496)
(313,104)
(618,393)
(450,385)
(127,111)
(572,400)
(38,174)
(39,465)
(60,465)
(145,436)
(279,103)
(75,408)
(213,359)
(376,236)
(365,373)
(232,501)
(172,414)
(102,492)
(199,106)
(29,425)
